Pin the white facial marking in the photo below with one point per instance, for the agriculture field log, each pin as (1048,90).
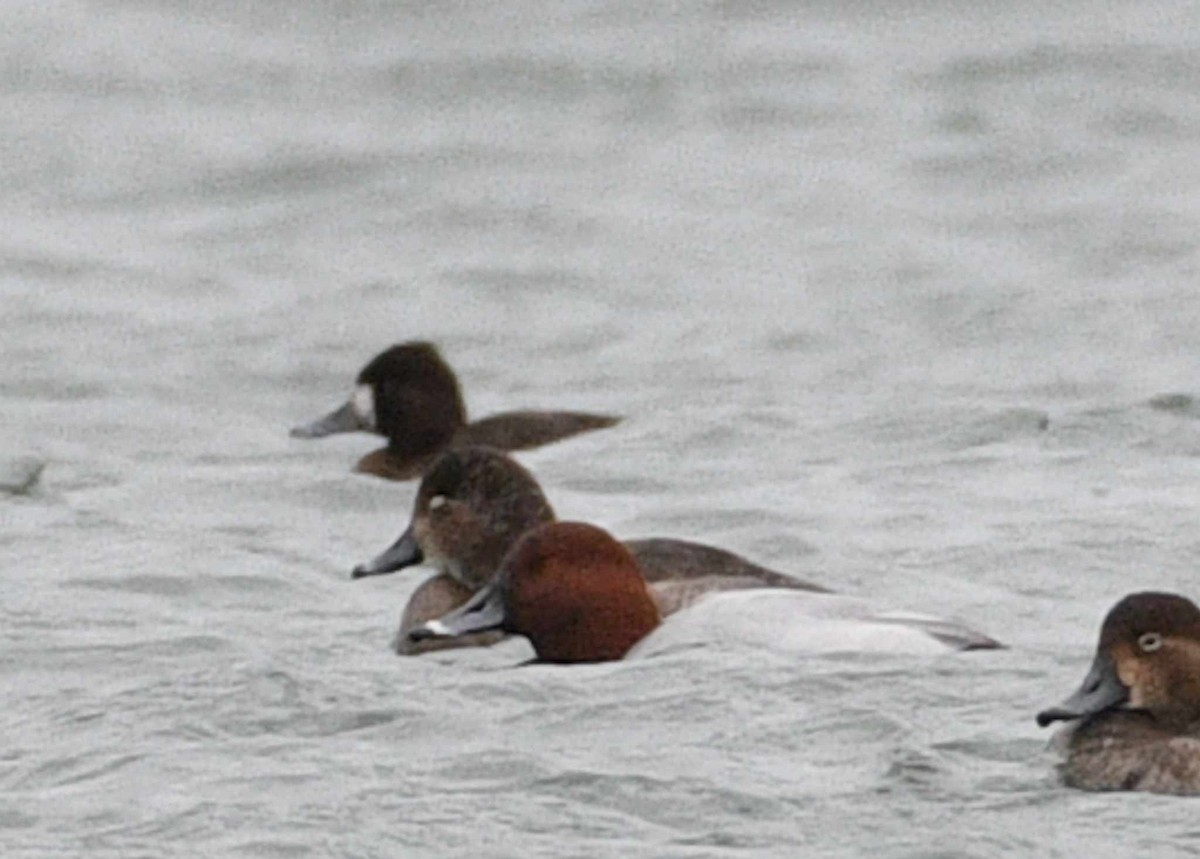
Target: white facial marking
(1150,641)
(437,627)
(363,403)
(437,501)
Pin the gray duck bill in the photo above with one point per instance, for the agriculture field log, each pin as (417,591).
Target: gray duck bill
(343,419)
(403,553)
(481,613)
(1101,690)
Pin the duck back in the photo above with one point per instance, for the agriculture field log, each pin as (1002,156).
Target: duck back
(523,430)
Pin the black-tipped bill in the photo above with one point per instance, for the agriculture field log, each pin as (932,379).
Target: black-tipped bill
(481,613)
(403,553)
(343,419)
(1102,690)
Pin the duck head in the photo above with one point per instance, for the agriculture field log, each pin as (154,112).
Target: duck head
(1148,659)
(572,589)
(473,505)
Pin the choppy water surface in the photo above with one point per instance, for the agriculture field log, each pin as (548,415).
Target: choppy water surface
(899,297)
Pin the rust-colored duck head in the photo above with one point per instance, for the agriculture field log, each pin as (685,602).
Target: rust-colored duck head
(572,589)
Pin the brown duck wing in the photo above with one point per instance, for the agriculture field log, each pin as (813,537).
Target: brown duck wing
(524,430)
(663,559)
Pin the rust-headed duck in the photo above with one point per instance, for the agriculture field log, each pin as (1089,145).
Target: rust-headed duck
(570,588)
(473,505)
(579,596)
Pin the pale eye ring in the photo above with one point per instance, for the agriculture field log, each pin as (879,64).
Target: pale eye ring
(437,502)
(1150,641)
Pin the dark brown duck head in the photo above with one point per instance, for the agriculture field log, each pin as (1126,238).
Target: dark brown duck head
(1148,659)
(408,394)
(472,506)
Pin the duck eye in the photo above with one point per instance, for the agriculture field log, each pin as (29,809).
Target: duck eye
(1150,642)
(437,502)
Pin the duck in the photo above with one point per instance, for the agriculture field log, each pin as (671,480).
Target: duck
(578,595)
(1134,723)
(411,396)
(475,502)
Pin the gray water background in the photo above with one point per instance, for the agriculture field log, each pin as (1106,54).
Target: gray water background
(899,297)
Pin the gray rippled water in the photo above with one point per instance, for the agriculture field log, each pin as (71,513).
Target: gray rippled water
(899,297)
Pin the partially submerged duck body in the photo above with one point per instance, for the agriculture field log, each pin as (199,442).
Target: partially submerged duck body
(578,595)
(411,396)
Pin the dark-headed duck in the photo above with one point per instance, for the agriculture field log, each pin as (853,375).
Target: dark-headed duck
(409,395)
(578,595)
(1134,724)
